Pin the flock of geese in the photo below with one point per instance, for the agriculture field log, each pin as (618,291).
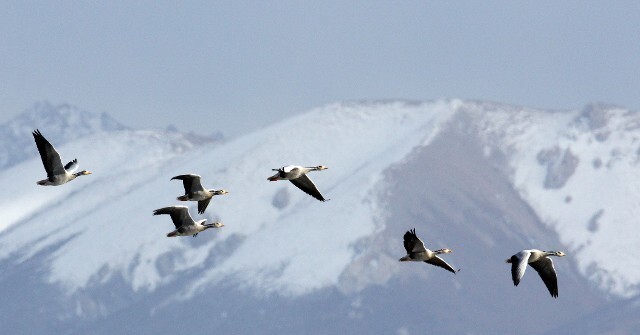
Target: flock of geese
(185,225)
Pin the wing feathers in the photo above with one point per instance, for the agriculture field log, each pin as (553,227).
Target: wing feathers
(179,215)
(50,157)
(305,184)
(412,243)
(191,182)
(72,166)
(437,261)
(202,205)
(544,267)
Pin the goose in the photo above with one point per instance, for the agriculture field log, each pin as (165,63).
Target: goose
(185,226)
(56,173)
(193,191)
(416,252)
(539,261)
(297,175)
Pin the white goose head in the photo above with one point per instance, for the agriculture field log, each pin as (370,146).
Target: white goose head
(213,225)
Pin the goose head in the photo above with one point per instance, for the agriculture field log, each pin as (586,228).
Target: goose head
(213,225)
(443,251)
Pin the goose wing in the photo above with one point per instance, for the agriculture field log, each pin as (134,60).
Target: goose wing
(72,166)
(202,205)
(179,215)
(50,157)
(191,182)
(437,261)
(412,244)
(544,267)
(305,184)
(519,265)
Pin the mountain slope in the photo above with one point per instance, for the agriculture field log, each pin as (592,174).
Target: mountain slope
(578,171)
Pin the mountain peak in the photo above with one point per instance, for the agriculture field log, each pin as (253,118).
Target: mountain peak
(64,117)
(59,123)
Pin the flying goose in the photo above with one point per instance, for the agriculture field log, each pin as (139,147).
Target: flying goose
(416,252)
(193,191)
(185,226)
(56,173)
(297,175)
(540,262)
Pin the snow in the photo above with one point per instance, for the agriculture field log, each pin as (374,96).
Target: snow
(595,211)
(102,225)
(302,247)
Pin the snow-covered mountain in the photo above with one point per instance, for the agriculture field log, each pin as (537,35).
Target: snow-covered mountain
(483,179)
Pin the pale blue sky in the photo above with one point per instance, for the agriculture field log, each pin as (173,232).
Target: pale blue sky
(238,65)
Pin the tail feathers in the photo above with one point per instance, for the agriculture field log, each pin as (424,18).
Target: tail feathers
(173,233)
(183,198)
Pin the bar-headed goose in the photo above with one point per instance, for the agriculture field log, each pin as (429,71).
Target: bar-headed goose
(56,173)
(297,175)
(540,262)
(193,191)
(185,226)
(416,252)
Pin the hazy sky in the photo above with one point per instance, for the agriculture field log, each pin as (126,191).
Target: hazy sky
(237,65)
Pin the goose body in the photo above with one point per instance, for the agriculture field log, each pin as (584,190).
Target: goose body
(193,191)
(185,225)
(57,174)
(539,261)
(416,252)
(297,175)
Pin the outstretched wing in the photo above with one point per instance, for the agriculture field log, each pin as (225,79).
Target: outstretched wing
(412,243)
(50,157)
(519,266)
(304,183)
(179,215)
(544,267)
(437,261)
(191,183)
(202,205)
